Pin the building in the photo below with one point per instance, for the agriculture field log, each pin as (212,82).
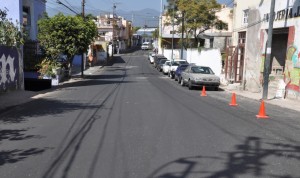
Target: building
(211,38)
(114,33)
(146,34)
(247,54)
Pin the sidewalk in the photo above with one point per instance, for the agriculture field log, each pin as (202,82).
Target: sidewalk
(14,98)
(292,104)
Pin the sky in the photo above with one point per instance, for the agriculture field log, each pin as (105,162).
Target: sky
(104,6)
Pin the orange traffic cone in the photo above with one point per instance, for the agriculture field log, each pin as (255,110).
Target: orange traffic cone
(233,100)
(262,112)
(203,93)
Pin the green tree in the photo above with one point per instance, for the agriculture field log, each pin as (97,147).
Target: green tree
(135,29)
(155,34)
(197,15)
(10,34)
(69,35)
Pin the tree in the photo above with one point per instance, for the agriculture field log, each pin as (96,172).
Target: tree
(135,29)
(155,34)
(10,35)
(69,35)
(197,15)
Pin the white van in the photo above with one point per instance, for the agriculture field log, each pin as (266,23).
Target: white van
(146,45)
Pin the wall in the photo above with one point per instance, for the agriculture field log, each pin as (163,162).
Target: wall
(207,57)
(11,69)
(254,51)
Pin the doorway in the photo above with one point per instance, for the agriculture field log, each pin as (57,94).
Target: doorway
(279,48)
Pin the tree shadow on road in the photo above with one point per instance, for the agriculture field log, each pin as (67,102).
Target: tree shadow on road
(248,159)
(16,155)
(15,134)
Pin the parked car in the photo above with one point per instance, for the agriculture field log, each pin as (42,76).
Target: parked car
(157,58)
(174,66)
(160,64)
(178,71)
(195,76)
(151,57)
(166,67)
(146,46)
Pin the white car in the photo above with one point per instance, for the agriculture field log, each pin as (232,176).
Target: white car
(151,57)
(174,66)
(166,67)
(146,45)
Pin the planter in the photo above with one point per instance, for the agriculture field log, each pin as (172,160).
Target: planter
(56,71)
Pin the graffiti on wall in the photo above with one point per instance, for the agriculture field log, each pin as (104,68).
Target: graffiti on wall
(9,64)
(292,68)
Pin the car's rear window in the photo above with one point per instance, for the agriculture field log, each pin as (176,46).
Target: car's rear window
(202,70)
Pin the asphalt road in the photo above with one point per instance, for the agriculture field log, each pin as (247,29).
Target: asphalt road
(127,120)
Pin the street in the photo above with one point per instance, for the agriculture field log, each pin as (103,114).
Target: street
(127,120)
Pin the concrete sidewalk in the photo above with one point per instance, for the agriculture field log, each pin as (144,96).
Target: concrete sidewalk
(14,98)
(292,104)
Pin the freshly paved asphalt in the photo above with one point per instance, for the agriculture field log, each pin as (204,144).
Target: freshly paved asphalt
(126,120)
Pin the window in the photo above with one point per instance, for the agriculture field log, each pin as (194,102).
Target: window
(26,16)
(172,32)
(245,16)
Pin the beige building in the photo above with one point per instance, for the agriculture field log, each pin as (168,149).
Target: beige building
(246,56)
(114,35)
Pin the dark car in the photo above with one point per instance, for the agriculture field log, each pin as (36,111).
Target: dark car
(157,58)
(178,71)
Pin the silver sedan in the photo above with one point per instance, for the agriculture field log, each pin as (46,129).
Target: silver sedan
(197,76)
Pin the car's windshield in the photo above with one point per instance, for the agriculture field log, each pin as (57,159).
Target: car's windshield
(201,70)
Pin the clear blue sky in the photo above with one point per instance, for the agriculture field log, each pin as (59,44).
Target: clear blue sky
(106,5)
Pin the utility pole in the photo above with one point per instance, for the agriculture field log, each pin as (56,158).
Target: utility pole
(182,35)
(82,57)
(267,62)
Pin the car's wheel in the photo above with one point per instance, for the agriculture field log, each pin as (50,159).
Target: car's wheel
(181,82)
(190,85)
(216,88)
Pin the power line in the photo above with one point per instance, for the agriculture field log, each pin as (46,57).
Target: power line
(59,2)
